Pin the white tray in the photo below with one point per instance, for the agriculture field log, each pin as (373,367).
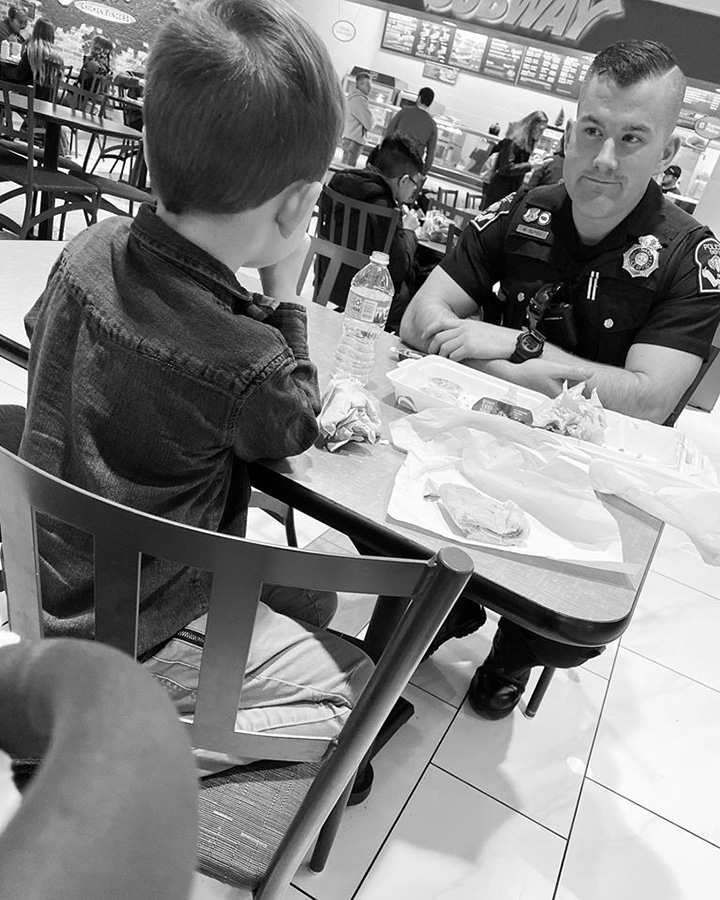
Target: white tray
(626,438)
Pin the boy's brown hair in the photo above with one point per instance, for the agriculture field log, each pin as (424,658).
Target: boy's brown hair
(241,101)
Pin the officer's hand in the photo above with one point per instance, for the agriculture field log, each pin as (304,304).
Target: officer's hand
(547,376)
(469,339)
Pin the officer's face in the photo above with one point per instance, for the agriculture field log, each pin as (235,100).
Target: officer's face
(622,137)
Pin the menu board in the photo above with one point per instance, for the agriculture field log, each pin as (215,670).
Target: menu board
(433,41)
(502,60)
(446,74)
(400,33)
(539,68)
(571,74)
(468,49)
(700,100)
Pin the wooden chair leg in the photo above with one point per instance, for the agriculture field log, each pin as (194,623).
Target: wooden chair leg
(539,692)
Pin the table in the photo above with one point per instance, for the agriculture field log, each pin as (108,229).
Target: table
(349,490)
(55,116)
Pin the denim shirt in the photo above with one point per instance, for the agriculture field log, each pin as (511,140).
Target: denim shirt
(154,378)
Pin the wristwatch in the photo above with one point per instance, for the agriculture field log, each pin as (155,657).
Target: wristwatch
(529,345)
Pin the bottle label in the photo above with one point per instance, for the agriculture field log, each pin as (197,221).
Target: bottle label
(367,309)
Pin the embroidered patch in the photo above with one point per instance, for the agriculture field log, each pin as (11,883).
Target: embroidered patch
(532,232)
(643,258)
(488,215)
(707,257)
(530,215)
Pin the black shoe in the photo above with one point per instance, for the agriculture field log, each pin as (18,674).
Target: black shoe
(493,695)
(463,619)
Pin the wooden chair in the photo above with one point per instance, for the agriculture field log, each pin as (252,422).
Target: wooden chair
(336,257)
(448,196)
(112,810)
(473,200)
(256,821)
(75,97)
(33,180)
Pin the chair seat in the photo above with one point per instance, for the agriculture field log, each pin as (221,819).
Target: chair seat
(120,189)
(21,148)
(43,180)
(243,814)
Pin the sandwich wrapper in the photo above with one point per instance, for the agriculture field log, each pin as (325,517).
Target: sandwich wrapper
(550,482)
(508,461)
(348,413)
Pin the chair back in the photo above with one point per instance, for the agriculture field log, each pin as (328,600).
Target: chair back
(697,380)
(12,129)
(349,222)
(449,196)
(426,591)
(460,217)
(335,257)
(78,98)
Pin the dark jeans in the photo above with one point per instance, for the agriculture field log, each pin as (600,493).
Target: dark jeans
(519,647)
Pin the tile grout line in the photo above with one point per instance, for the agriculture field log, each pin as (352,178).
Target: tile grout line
(671,669)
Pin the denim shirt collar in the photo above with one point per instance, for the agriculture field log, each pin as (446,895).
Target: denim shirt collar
(155,236)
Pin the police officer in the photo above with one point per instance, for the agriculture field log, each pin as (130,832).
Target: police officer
(637,293)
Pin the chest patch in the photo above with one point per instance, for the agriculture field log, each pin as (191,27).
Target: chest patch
(489,215)
(643,258)
(707,257)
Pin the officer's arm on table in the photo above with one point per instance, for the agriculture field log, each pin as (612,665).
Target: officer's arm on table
(437,321)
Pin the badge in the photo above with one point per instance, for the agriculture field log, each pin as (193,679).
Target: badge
(544,218)
(707,257)
(530,215)
(532,232)
(643,258)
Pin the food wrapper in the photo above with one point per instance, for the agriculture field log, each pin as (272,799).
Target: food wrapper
(436,226)
(573,414)
(490,456)
(348,413)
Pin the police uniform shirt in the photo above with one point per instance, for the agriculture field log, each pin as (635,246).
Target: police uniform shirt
(655,279)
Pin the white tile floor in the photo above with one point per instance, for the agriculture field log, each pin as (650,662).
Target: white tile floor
(613,791)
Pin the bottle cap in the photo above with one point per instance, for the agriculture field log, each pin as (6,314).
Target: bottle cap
(382,259)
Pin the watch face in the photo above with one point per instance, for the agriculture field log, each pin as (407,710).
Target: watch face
(531,343)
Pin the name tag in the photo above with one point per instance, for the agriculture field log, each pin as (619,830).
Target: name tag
(539,233)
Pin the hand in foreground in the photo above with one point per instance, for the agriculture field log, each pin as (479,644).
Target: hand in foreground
(466,339)
(280,279)
(543,375)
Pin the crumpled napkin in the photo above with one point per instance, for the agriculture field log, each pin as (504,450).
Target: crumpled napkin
(348,413)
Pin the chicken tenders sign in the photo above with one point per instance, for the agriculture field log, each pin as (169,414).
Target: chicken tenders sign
(566,20)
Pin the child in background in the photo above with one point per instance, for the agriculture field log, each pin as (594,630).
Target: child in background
(98,64)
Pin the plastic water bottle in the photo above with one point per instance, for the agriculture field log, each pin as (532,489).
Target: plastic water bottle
(366,311)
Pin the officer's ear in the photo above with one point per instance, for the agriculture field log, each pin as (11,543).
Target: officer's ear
(672,145)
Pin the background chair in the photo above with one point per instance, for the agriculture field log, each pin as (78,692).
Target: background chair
(473,200)
(112,810)
(460,217)
(449,196)
(335,257)
(254,829)
(32,179)
(355,225)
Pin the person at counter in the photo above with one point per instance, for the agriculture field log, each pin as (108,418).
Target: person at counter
(417,123)
(640,279)
(390,179)
(155,377)
(358,119)
(670,178)
(513,157)
(13,24)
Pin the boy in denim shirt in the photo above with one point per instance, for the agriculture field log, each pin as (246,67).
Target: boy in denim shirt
(155,377)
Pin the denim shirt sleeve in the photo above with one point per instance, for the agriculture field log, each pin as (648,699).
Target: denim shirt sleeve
(279,418)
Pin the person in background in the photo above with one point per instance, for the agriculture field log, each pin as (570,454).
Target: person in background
(14,22)
(513,160)
(98,64)
(41,63)
(550,171)
(670,178)
(155,377)
(417,123)
(390,179)
(358,119)
(638,276)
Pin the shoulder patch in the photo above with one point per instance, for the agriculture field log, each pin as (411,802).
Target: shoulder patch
(707,258)
(497,209)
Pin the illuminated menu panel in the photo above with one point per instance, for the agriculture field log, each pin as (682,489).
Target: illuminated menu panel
(433,41)
(571,74)
(400,33)
(502,60)
(468,49)
(539,68)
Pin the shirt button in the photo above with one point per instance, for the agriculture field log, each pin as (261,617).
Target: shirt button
(608,323)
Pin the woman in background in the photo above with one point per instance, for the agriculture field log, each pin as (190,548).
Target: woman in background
(41,63)
(513,157)
(98,64)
